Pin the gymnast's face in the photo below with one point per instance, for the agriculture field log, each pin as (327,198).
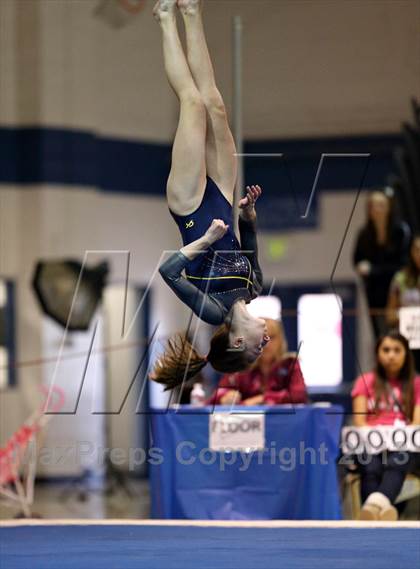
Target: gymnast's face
(252,338)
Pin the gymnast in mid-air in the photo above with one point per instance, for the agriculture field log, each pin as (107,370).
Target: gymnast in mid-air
(221,274)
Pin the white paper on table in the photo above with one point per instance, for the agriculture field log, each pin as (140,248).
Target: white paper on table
(234,432)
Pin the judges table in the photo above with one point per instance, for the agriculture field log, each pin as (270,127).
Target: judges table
(292,475)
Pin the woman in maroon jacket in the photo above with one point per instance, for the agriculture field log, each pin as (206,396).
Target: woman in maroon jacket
(275,378)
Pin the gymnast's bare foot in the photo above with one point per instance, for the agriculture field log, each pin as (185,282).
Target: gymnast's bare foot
(164,9)
(189,7)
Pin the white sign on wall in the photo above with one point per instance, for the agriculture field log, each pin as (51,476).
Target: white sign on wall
(244,432)
(410,325)
(320,339)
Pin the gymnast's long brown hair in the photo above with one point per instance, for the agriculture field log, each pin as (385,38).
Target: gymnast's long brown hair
(181,362)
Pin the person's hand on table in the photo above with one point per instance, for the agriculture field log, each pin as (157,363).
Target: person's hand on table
(231,397)
(256,400)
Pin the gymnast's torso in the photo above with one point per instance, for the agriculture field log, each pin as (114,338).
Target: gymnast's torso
(226,272)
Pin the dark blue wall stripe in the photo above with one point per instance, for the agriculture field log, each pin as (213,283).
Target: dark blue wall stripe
(58,156)
(288,181)
(50,155)
(69,157)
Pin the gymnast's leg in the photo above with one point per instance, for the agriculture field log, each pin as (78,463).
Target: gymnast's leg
(187,179)
(221,161)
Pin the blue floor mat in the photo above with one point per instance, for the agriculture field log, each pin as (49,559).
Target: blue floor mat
(166,547)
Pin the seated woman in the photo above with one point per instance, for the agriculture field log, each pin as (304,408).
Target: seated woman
(389,393)
(274,379)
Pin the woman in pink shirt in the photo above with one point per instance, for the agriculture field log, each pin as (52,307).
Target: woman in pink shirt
(388,394)
(276,377)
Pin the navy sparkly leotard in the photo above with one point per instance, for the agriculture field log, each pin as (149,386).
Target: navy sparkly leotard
(226,272)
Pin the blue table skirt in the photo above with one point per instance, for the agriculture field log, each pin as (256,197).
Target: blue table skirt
(294,478)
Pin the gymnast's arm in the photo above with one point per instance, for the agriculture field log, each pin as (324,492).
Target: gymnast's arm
(201,304)
(248,232)
(249,246)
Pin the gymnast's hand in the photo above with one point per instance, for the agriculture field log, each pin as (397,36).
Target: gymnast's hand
(247,204)
(216,231)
